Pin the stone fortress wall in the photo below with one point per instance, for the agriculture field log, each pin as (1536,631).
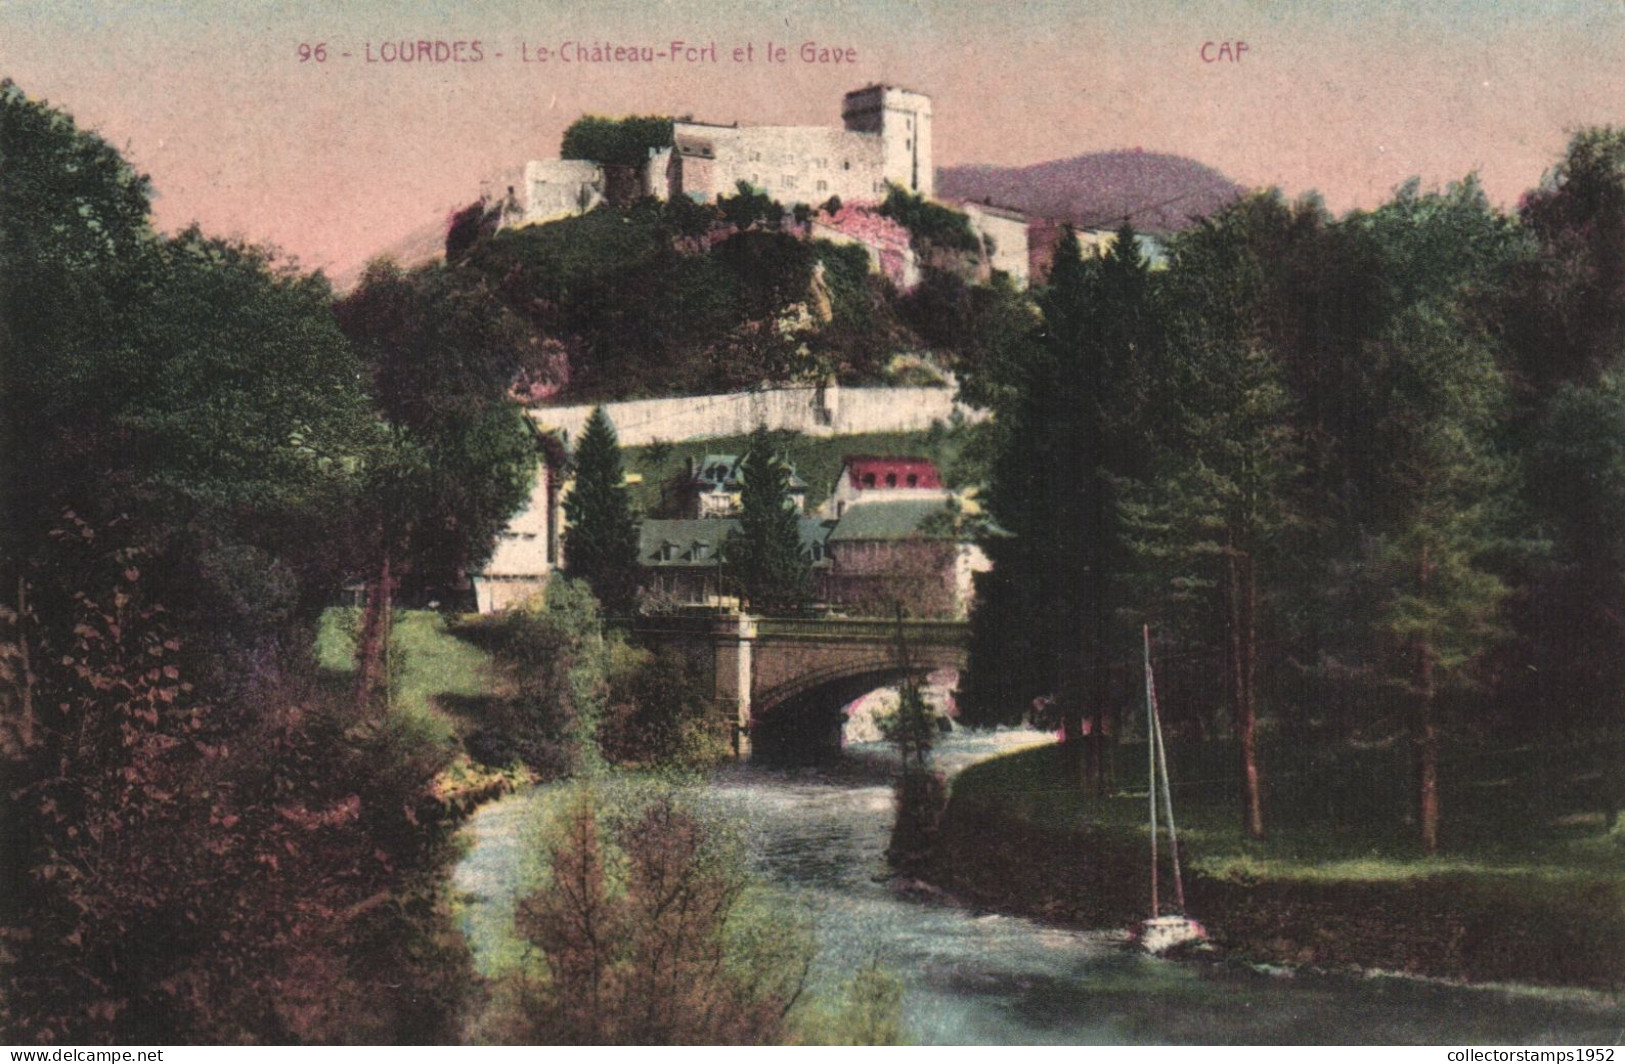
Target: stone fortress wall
(828,410)
(793,164)
(885,137)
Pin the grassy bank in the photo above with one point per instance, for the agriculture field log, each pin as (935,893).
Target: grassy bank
(1530,887)
(442,685)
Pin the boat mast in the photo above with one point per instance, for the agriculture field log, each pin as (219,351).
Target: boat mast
(1151,760)
(1167,787)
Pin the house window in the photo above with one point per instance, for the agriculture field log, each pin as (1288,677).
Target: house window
(700,552)
(823,186)
(913,480)
(868,480)
(668,552)
(789,181)
(891,480)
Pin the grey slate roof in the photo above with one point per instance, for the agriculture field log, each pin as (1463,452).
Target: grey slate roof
(710,533)
(891,520)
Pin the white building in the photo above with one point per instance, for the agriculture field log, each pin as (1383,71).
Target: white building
(526,552)
(1005,232)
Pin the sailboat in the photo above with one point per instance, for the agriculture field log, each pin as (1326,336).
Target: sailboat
(1162,932)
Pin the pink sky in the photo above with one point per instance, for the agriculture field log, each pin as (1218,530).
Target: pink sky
(334,161)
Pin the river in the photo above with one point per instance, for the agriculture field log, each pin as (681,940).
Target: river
(974,977)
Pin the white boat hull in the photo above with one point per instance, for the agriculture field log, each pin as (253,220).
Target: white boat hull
(1160,934)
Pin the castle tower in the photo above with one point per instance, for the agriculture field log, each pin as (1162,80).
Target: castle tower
(903,120)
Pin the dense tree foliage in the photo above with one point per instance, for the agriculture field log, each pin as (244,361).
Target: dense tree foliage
(1072,435)
(198,845)
(616,141)
(648,937)
(456,456)
(694,298)
(929,224)
(601,543)
(764,556)
(1333,466)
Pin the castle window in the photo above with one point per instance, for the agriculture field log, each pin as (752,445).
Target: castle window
(908,144)
(823,186)
(846,164)
(789,181)
(755,156)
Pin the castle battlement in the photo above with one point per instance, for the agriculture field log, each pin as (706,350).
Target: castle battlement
(885,136)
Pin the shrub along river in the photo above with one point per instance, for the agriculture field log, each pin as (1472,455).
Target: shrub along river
(973,977)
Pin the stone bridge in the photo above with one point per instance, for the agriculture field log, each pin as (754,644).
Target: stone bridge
(781,682)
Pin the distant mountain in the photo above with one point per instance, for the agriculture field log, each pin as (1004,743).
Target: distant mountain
(1160,193)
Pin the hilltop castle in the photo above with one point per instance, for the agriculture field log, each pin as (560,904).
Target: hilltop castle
(885,137)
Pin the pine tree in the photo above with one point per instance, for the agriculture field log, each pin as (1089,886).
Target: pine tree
(1440,520)
(1070,433)
(601,541)
(765,554)
(1220,499)
(1100,328)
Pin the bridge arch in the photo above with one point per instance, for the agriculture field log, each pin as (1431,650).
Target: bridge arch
(802,716)
(882,670)
(792,675)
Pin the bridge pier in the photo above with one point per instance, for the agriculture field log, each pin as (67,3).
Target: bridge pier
(732,641)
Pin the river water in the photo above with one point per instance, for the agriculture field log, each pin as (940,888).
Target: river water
(973,977)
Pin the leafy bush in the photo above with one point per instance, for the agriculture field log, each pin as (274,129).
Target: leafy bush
(930,223)
(197,871)
(659,713)
(647,936)
(749,206)
(616,141)
(555,659)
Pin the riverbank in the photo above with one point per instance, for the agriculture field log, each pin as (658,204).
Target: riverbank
(1017,838)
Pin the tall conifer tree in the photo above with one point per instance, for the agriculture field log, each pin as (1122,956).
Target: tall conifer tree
(766,551)
(601,542)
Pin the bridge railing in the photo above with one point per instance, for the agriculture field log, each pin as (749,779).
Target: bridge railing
(868,630)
